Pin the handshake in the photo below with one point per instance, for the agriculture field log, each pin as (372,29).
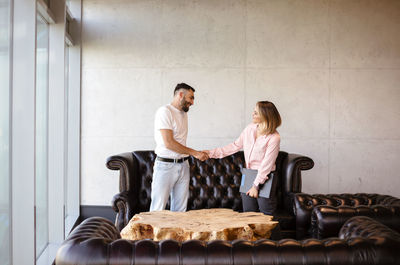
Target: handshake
(202,155)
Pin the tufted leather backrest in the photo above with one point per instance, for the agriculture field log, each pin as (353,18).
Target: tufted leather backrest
(214,183)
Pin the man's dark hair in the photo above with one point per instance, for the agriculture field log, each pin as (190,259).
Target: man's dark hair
(183,86)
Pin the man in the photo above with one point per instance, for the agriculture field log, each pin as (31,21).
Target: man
(171,168)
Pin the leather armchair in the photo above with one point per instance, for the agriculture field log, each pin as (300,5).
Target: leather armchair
(321,216)
(361,241)
(214,183)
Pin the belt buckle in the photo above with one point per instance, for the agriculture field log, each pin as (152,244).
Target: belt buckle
(175,160)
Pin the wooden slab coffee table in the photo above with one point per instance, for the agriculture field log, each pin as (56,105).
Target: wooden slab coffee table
(206,224)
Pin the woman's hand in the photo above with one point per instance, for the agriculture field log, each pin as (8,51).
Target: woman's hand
(207,152)
(253,192)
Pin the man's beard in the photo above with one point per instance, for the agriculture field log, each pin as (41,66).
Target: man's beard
(185,105)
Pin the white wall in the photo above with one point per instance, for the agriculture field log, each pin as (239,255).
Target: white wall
(331,67)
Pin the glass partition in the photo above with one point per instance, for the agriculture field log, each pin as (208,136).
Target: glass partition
(5,228)
(66,151)
(41,142)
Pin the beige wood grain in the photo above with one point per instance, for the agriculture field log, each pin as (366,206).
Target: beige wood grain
(205,224)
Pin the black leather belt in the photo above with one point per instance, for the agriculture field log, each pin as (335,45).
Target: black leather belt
(171,160)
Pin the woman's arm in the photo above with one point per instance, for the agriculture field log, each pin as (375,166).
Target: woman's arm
(269,160)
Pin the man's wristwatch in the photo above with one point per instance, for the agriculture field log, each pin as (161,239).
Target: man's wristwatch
(256,187)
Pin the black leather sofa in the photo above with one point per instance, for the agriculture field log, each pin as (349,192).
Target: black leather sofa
(361,241)
(213,184)
(322,215)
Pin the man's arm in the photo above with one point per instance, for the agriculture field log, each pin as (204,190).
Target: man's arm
(173,145)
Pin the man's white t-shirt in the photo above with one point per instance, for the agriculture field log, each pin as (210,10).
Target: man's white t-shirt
(169,117)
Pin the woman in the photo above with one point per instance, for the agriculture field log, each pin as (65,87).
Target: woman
(260,142)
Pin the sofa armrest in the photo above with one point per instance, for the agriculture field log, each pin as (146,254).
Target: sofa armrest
(122,204)
(88,243)
(291,178)
(95,227)
(292,168)
(326,221)
(125,163)
(303,206)
(363,226)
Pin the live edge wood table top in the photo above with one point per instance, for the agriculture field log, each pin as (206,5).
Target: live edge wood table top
(206,224)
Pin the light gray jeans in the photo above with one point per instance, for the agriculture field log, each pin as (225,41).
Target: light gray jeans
(170,179)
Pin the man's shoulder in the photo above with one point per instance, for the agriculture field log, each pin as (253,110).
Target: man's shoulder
(170,110)
(163,109)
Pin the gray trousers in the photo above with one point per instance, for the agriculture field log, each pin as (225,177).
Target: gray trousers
(260,204)
(170,179)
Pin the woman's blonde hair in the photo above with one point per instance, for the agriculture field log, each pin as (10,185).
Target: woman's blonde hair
(270,117)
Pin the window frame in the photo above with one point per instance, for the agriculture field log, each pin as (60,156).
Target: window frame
(22,132)
(44,21)
(8,123)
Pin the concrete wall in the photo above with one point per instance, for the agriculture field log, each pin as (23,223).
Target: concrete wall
(332,67)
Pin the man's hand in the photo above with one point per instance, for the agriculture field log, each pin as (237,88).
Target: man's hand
(253,192)
(201,155)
